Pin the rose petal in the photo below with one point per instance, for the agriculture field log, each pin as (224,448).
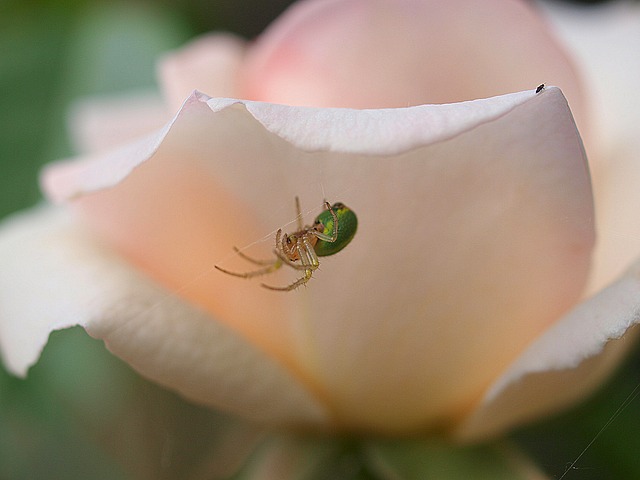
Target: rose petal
(475,232)
(25,324)
(55,275)
(363,54)
(605,41)
(209,64)
(566,363)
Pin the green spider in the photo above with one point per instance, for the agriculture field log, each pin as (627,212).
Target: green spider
(331,231)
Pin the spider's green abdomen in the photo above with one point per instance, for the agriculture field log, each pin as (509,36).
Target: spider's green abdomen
(347,226)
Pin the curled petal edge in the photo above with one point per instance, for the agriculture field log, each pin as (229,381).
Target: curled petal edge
(372,132)
(569,360)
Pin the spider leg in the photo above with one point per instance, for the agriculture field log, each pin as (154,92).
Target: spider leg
(299,214)
(301,281)
(269,265)
(281,254)
(280,242)
(285,260)
(308,257)
(255,273)
(309,261)
(252,260)
(334,234)
(311,253)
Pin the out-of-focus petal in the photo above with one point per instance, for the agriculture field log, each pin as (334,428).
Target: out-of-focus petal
(26,319)
(567,362)
(100,123)
(210,64)
(475,231)
(57,275)
(395,53)
(605,41)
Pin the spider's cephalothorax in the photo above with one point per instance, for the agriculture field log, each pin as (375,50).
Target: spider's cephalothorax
(331,231)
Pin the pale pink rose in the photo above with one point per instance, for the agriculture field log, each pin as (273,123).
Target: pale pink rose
(459,307)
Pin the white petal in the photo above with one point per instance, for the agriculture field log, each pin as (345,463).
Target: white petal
(32,303)
(55,275)
(565,364)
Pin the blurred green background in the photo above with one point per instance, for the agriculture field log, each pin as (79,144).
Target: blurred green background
(82,413)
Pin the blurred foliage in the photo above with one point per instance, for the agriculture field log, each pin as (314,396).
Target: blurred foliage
(53,52)
(600,435)
(247,18)
(42,434)
(82,413)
